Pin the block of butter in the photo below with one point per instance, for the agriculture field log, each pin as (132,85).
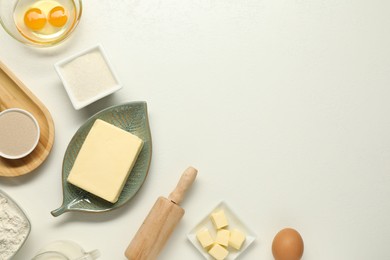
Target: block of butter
(236,239)
(218,252)
(105,160)
(204,237)
(219,219)
(223,236)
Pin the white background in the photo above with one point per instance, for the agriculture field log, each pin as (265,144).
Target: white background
(282,105)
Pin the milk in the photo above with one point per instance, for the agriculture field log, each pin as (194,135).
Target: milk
(65,250)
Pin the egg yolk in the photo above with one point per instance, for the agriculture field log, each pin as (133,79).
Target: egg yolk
(57,16)
(34,19)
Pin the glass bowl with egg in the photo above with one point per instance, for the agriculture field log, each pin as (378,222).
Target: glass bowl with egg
(40,23)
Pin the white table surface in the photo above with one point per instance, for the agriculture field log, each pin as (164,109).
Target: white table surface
(281,105)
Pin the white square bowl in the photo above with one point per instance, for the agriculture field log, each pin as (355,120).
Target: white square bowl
(87,77)
(234,222)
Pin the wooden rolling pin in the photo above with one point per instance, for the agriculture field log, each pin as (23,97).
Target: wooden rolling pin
(160,222)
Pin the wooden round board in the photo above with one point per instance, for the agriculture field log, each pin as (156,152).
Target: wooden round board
(13,93)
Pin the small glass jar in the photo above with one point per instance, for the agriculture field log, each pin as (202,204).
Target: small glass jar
(65,250)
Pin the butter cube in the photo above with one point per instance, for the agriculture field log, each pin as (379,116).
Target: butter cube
(218,252)
(105,160)
(204,237)
(219,219)
(237,238)
(223,236)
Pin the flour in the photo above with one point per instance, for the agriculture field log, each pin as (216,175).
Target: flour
(14,228)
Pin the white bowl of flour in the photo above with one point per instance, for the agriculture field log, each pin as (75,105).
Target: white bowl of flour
(14,227)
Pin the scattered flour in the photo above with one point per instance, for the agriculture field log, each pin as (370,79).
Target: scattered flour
(13,228)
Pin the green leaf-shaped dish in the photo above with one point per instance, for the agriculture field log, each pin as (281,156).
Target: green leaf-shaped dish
(132,117)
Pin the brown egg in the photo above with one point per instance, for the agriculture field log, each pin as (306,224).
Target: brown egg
(287,245)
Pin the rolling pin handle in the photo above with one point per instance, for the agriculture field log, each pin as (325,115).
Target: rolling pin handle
(186,180)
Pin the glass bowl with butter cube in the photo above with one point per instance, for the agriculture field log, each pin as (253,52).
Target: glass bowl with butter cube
(221,235)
